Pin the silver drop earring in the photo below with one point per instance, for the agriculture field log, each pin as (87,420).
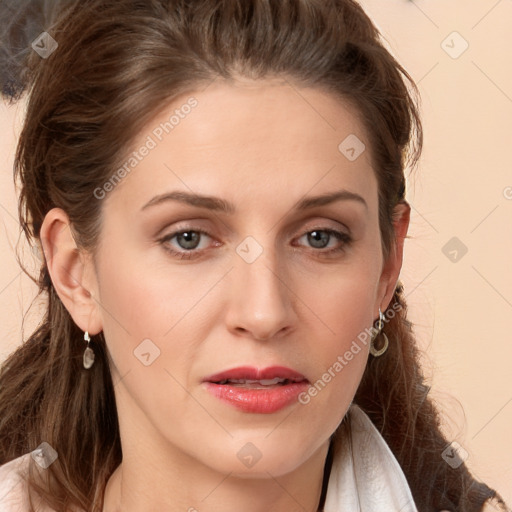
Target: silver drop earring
(378,352)
(88,352)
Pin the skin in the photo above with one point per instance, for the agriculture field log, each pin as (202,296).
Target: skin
(261,146)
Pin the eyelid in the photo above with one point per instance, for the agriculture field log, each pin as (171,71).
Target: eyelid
(303,226)
(320,223)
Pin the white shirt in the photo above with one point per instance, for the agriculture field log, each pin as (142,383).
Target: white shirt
(365,475)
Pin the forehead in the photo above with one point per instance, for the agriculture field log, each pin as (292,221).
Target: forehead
(250,139)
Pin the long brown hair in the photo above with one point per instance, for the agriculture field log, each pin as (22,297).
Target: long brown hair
(116,64)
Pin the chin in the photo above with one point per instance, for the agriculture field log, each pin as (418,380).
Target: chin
(266,470)
(262,458)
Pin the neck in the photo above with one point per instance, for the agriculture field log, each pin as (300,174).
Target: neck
(200,489)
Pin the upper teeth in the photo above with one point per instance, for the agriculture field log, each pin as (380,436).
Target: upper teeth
(263,382)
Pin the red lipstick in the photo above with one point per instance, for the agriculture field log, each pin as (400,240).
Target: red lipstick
(262,391)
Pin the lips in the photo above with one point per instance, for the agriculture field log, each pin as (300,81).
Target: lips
(256,391)
(274,375)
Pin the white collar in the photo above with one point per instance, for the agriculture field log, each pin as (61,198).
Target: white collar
(365,475)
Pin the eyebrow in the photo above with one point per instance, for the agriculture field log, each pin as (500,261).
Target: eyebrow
(223,206)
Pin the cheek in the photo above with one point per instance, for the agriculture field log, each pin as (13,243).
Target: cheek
(342,317)
(342,301)
(132,308)
(141,302)
(134,296)
(343,353)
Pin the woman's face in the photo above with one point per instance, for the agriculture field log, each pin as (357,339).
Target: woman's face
(253,280)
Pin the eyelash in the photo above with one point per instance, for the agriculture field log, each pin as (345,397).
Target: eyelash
(344,238)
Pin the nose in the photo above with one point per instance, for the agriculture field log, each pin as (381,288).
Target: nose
(261,300)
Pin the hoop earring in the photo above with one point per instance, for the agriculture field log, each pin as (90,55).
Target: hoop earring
(374,351)
(88,359)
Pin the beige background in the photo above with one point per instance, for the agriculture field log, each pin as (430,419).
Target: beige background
(462,188)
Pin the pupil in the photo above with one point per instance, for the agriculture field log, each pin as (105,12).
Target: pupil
(190,237)
(315,236)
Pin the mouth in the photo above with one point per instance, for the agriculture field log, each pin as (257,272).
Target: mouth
(258,384)
(257,391)
(247,376)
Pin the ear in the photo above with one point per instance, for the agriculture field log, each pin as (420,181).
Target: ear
(393,264)
(71,271)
